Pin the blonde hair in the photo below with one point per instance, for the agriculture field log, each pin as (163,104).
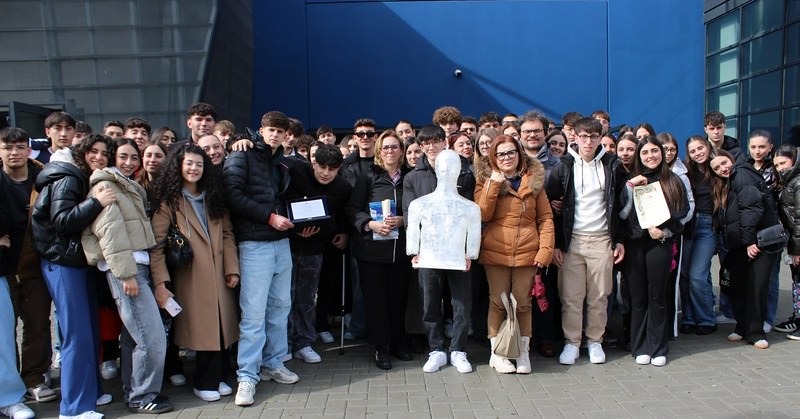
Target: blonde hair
(389,133)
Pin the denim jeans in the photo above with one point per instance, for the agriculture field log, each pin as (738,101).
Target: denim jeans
(697,293)
(774,290)
(305,279)
(10,383)
(74,296)
(432,282)
(265,300)
(143,342)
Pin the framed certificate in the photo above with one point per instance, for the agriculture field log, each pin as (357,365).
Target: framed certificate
(308,209)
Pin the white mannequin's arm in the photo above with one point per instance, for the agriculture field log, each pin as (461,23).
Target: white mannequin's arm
(412,229)
(474,232)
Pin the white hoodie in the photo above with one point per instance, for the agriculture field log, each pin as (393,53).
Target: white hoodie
(589,179)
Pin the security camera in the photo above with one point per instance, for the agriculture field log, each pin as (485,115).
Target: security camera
(457,73)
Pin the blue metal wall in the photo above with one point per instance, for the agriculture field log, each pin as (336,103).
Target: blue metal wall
(331,62)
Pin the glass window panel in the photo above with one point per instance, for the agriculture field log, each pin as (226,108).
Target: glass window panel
(74,43)
(114,41)
(761,16)
(761,92)
(793,42)
(25,45)
(78,73)
(117,71)
(197,12)
(791,125)
(86,99)
(31,74)
(69,14)
(150,13)
(762,53)
(111,13)
(791,85)
(722,32)
(723,99)
(156,99)
(722,67)
(793,10)
(769,121)
(158,70)
(194,39)
(731,127)
(22,15)
(158,40)
(192,70)
(121,100)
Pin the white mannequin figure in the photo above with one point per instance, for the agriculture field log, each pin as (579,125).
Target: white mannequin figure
(444,229)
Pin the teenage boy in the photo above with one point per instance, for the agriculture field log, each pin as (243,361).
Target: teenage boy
(138,130)
(587,242)
(309,243)
(326,135)
(114,129)
(448,118)
(714,126)
(419,182)
(469,126)
(489,120)
(60,130)
(20,263)
(255,184)
(201,118)
(604,118)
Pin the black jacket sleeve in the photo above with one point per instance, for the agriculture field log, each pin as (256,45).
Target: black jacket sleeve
(70,210)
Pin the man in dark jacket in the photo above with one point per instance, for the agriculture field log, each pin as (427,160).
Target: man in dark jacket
(533,130)
(255,183)
(419,182)
(714,126)
(20,262)
(311,239)
(588,243)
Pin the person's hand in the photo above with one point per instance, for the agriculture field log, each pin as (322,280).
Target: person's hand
(558,257)
(380,227)
(280,223)
(556,206)
(5,241)
(308,231)
(619,253)
(242,145)
(639,180)
(130,287)
(497,176)
(340,241)
(795,260)
(231,280)
(106,196)
(162,294)
(469,265)
(414,260)
(753,251)
(393,221)
(656,233)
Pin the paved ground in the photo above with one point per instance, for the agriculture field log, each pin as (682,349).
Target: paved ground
(706,377)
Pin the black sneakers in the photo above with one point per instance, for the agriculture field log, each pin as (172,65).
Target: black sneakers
(788,326)
(382,360)
(158,405)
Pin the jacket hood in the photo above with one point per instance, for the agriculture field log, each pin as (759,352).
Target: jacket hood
(56,170)
(535,172)
(787,175)
(112,174)
(679,168)
(579,160)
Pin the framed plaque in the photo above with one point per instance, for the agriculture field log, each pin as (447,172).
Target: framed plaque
(308,209)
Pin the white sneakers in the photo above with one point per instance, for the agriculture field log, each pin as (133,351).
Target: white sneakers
(109,370)
(85,415)
(17,411)
(436,360)
(596,354)
(569,355)
(643,359)
(281,375)
(658,361)
(308,355)
(326,337)
(224,389)
(177,380)
(458,359)
(207,395)
(245,393)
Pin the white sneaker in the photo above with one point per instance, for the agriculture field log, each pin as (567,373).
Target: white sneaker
(109,370)
(85,415)
(105,399)
(643,359)
(721,319)
(207,395)
(659,361)
(569,354)
(177,380)
(287,357)
(245,393)
(308,355)
(224,389)
(735,337)
(326,337)
(41,393)
(281,375)
(596,354)
(436,360)
(458,359)
(18,411)
(767,327)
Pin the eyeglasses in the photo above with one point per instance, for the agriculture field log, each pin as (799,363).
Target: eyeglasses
(362,134)
(503,155)
(592,137)
(428,143)
(484,144)
(18,147)
(532,131)
(388,147)
(670,150)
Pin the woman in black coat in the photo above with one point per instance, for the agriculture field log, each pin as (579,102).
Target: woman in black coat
(744,207)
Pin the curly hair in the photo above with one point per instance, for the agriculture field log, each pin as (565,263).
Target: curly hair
(168,186)
(79,151)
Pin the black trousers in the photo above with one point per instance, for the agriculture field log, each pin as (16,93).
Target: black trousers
(31,301)
(480,301)
(385,289)
(329,290)
(749,284)
(648,276)
(211,368)
(547,325)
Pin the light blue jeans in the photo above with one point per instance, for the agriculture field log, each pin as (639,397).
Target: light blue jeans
(11,386)
(265,300)
(143,342)
(697,292)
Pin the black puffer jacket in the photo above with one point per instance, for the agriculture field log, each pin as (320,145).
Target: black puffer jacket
(373,186)
(748,208)
(61,213)
(789,199)
(256,181)
(422,181)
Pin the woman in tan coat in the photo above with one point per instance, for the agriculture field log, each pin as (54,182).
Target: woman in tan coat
(517,237)
(189,186)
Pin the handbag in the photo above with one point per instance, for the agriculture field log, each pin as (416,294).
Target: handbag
(772,238)
(507,343)
(177,250)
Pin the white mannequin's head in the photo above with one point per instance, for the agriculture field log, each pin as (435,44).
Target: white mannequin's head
(448,167)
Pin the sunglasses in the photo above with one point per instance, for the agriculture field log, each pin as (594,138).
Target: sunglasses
(362,134)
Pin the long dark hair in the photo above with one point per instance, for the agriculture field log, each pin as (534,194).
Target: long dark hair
(116,144)
(143,177)
(719,186)
(168,186)
(79,151)
(699,170)
(670,183)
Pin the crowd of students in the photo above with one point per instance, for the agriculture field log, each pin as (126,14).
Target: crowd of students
(86,221)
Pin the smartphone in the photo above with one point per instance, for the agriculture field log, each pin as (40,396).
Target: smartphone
(172,307)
